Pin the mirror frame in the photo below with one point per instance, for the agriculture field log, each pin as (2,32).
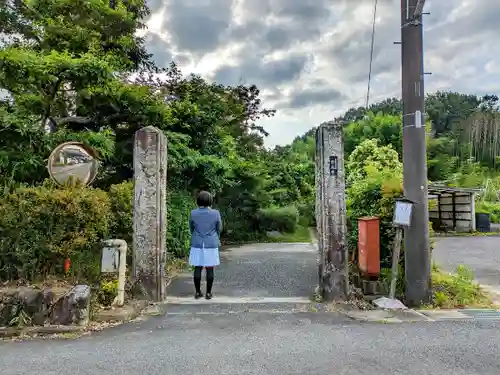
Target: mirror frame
(87,149)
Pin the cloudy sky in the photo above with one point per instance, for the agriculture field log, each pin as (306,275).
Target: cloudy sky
(310,58)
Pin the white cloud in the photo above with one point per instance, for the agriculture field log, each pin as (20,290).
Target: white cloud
(310,58)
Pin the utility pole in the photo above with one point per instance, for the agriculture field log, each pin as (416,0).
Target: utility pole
(417,244)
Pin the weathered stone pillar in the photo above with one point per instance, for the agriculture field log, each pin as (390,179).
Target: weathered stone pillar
(331,212)
(150,214)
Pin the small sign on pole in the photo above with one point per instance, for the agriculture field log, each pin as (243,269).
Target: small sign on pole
(402,219)
(110,260)
(402,213)
(418,119)
(334,165)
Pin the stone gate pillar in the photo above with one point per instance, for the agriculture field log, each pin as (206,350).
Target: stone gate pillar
(331,212)
(150,214)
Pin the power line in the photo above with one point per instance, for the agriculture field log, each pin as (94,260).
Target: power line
(371,53)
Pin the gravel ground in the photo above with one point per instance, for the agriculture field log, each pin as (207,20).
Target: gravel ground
(261,270)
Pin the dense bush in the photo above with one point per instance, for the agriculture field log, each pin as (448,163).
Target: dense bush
(307,212)
(239,204)
(179,206)
(121,197)
(375,196)
(40,227)
(491,208)
(457,290)
(283,219)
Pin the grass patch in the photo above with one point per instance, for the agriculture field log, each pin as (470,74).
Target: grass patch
(301,234)
(458,290)
(466,234)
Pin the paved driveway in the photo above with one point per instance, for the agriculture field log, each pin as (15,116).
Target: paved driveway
(481,254)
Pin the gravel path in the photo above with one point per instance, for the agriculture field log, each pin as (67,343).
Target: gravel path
(260,270)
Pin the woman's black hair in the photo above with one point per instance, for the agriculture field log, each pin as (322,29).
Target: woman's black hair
(204,199)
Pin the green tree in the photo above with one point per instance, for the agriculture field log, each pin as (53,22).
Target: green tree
(368,154)
(385,128)
(445,109)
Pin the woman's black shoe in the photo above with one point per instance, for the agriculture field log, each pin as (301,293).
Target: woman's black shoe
(198,295)
(208,296)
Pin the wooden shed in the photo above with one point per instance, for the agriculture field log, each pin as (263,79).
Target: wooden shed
(452,208)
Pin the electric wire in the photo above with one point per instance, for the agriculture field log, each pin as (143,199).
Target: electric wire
(371,53)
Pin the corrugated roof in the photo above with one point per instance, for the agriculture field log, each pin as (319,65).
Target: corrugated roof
(440,189)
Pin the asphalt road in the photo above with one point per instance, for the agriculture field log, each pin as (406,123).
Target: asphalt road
(245,338)
(265,344)
(481,254)
(77,171)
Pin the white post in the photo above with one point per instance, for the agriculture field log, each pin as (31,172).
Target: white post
(121,247)
(473,212)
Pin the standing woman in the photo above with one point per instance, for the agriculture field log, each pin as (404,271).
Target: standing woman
(206,225)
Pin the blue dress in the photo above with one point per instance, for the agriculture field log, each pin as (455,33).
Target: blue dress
(204,257)
(205,225)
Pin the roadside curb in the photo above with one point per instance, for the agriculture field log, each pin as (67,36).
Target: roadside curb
(106,318)
(125,313)
(466,234)
(8,332)
(462,314)
(422,315)
(386,316)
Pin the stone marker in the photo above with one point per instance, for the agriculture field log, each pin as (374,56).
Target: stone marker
(28,300)
(331,212)
(150,185)
(73,307)
(42,306)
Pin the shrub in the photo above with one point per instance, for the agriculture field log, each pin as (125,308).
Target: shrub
(179,206)
(239,211)
(107,293)
(283,219)
(42,226)
(491,208)
(369,154)
(375,196)
(307,212)
(121,197)
(457,290)
(449,291)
